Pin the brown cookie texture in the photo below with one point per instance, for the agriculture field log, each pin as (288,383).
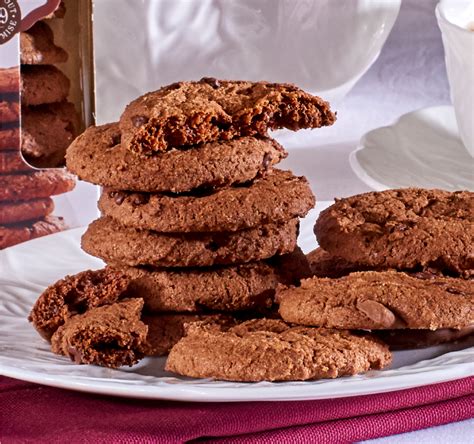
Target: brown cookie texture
(379,300)
(231,288)
(98,156)
(12,212)
(189,113)
(9,111)
(12,162)
(165,330)
(43,84)
(271,350)
(37,46)
(9,139)
(410,339)
(9,80)
(36,185)
(403,229)
(277,197)
(47,131)
(323,264)
(74,295)
(14,234)
(109,336)
(107,239)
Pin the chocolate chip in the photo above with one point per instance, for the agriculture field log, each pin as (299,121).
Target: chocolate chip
(116,139)
(425,275)
(140,199)
(267,158)
(139,121)
(211,81)
(119,197)
(377,312)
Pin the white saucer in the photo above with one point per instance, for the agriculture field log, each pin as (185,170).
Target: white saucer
(421,149)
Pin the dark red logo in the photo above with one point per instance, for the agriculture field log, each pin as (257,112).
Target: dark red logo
(10,19)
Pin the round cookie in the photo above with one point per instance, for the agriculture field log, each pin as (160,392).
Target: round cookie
(409,339)
(190,113)
(107,239)
(109,336)
(97,156)
(37,46)
(43,84)
(9,80)
(165,330)
(14,212)
(14,234)
(73,295)
(402,229)
(271,350)
(277,197)
(9,112)
(12,162)
(233,288)
(37,185)
(375,300)
(9,139)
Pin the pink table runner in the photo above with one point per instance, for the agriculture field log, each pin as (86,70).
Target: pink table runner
(39,414)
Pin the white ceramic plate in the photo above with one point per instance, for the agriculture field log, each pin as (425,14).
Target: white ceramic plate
(421,149)
(26,269)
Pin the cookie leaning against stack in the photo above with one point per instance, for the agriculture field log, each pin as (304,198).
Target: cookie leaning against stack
(398,262)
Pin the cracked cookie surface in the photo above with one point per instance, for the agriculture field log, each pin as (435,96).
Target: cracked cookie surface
(271,350)
(379,300)
(189,113)
(402,229)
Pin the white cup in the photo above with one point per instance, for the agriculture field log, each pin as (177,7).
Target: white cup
(456,21)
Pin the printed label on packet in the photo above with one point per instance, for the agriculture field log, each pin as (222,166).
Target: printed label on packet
(11,21)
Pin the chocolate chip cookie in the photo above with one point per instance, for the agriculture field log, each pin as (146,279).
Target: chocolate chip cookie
(9,139)
(12,212)
(43,84)
(114,243)
(277,197)
(36,185)
(9,80)
(74,295)
(189,113)
(109,336)
(379,300)
(9,111)
(12,162)
(47,130)
(403,229)
(271,350)
(97,156)
(14,234)
(232,288)
(37,46)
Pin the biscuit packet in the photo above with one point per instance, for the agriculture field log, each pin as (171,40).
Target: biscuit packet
(46,100)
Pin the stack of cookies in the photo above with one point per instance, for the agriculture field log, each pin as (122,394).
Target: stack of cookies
(25,194)
(399,263)
(49,121)
(198,228)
